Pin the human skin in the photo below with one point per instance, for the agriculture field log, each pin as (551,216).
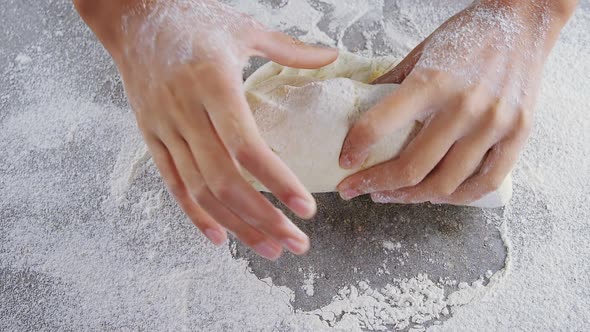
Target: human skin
(181,62)
(473,82)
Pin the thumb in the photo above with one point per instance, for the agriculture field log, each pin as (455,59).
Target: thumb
(290,52)
(394,112)
(398,74)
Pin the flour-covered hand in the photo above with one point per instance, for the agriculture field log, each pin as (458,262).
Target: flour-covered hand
(473,84)
(181,62)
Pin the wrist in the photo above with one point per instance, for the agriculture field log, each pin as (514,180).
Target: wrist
(540,19)
(559,11)
(105,19)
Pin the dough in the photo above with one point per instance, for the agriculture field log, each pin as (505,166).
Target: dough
(305,115)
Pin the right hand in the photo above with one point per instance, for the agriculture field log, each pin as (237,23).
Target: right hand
(181,63)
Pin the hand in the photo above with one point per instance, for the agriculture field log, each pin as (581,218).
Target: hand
(181,62)
(473,83)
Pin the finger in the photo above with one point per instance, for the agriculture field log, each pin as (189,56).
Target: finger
(461,162)
(225,182)
(199,192)
(496,167)
(418,90)
(396,111)
(417,160)
(290,52)
(176,187)
(398,74)
(233,121)
(250,236)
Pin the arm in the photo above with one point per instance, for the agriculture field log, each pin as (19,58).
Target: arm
(473,82)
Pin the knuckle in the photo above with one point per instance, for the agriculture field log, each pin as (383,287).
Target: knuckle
(244,235)
(524,120)
(176,188)
(198,222)
(290,59)
(141,120)
(365,128)
(250,238)
(491,184)
(410,175)
(494,114)
(237,135)
(434,75)
(497,117)
(206,68)
(423,76)
(223,191)
(365,124)
(466,105)
(244,152)
(444,190)
(199,194)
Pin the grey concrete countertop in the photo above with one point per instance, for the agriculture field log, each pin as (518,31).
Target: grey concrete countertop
(447,243)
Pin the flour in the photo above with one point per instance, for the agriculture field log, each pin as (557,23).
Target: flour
(133,155)
(324,103)
(89,240)
(388,245)
(407,303)
(308,282)
(23,59)
(460,50)
(195,30)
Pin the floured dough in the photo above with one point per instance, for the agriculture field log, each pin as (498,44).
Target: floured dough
(305,115)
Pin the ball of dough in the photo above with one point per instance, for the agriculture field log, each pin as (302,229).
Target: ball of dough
(305,115)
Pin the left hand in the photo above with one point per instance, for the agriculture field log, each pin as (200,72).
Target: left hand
(181,62)
(473,82)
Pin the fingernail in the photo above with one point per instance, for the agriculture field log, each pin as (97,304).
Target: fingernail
(297,242)
(349,194)
(346,161)
(302,207)
(297,247)
(215,236)
(267,251)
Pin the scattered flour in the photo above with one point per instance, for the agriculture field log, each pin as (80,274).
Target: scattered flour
(90,237)
(133,155)
(388,245)
(308,282)
(23,59)
(195,30)
(405,304)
